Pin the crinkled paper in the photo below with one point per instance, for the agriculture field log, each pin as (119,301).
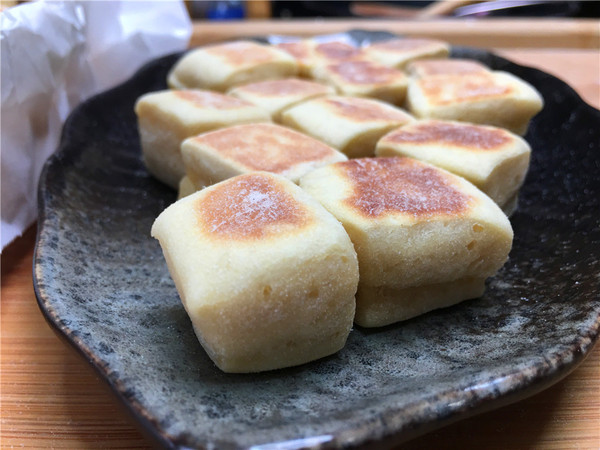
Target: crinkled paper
(55,55)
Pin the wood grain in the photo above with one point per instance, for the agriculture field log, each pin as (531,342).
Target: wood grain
(51,398)
(488,33)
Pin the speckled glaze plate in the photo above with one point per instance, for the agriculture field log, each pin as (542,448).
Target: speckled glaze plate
(102,283)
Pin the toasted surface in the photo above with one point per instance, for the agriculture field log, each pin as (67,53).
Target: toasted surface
(166,118)
(337,51)
(457,88)
(413,226)
(334,52)
(311,54)
(431,67)
(190,107)
(400,187)
(277,95)
(474,138)
(302,51)
(493,159)
(286,87)
(221,154)
(363,110)
(399,53)
(222,66)
(365,79)
(495,98)
(250,208)
(267,276)
(351,125)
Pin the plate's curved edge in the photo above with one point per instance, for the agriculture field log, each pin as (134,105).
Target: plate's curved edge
(537,379)
(146,423)
(558,368)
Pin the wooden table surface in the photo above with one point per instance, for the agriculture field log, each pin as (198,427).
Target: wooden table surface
(51,398)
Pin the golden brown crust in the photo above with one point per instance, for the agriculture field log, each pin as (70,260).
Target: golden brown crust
(211,100)
(337,51)
(362,110)
(300,50)
(451,133)
(267,147)
(241,53)
(451,89)
(365,73)
(432,67)
(249,207)
(290,86)
(382,186)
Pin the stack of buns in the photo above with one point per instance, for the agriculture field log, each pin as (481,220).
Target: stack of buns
(323,184)
(166,118)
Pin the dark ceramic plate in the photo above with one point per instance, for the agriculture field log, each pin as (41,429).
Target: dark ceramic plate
(102,283)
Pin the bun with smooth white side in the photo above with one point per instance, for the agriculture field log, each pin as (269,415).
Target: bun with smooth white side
(425,238)
(267,276)
(166,118)
(222,66)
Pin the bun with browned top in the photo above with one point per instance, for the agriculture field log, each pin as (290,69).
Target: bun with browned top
(267,276)
(166,118)
(425,238)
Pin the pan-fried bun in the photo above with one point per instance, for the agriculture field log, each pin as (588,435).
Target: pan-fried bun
(276,96)
(493,159)
(351,125)
(425,238)
(496,98)
(166,118)
(311,54)
(218,155)
(431,67)
(266,274)
(365,79)
(222,66)
(302,51)
(399,53)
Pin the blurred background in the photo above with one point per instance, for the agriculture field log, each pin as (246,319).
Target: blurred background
(415,9)
(259,9)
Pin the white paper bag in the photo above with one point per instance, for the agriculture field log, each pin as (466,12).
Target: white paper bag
(55,55)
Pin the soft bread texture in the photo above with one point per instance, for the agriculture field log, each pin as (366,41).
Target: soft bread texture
(425,238)
(365,79)
(496,98)
(218,155)
(266,274)
(302,51)
(166,118)
(399,53)
(493,159)
(351,125)
(275,96)
(456,66)
(187,187)
(311,54)
(222,66)
(334,52)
